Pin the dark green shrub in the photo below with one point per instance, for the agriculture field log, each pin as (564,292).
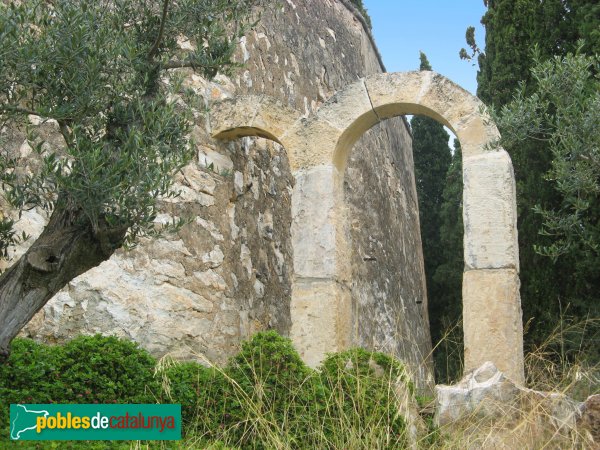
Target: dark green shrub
(32,373)
(261,391)
(28,376)
(266,397)
(268,360)
(204,394)
(360,362)
(272,384)
(101,369)
(88,369)
(186,383)
(361,396)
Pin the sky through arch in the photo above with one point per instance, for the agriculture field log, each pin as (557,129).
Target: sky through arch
(437,27)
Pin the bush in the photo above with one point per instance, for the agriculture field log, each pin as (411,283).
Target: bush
(89,369)
(31,374)
(362,399)
(272,399)
(100,369)
(204,395)
(274,390)
(266,397)
(28,376)
(270,360)
(250,402)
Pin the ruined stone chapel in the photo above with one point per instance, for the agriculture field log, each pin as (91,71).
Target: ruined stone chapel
(304,216)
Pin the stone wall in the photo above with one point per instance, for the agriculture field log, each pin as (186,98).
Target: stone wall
(388,286)
(228,273)
(223,277)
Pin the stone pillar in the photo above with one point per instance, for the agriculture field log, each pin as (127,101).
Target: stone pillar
(321,307)
(492,317)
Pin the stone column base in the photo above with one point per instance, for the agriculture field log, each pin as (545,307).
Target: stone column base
(492,321)
(321,312)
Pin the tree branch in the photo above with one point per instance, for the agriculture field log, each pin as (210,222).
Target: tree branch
(66,133)
(188,63)
(161,31)
(62,123)
(21,110)
(179,64)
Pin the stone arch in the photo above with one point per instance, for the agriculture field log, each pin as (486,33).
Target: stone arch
(491,302)
(317,149)
(252,115)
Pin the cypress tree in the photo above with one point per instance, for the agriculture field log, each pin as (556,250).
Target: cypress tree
(509,28)
(432,157)
(448,276)
(510,36)
(513,29)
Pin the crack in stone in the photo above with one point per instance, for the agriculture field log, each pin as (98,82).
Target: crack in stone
(379,120)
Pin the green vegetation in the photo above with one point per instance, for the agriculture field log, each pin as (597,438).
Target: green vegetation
(88,369)
(567,282)
(101,72)
(562,111)
(561,108)
(359,5)
(432,158)
(271,399)
(445,315)
(547,99)
(265,397)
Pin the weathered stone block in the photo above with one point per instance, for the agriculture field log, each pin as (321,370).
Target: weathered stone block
(274,116)
(589,421)
(506,415)
(350,110)
(399,93)
(492,321)
(233,113)
(252,115)
(433,95)
(475,133)
(321,319)
(311,142)
(484,391)
(208,158)
(313,223)
(490,212)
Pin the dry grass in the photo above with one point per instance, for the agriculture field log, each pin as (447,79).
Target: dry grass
(564,364)
(351,430)
(567,361)
(567,365)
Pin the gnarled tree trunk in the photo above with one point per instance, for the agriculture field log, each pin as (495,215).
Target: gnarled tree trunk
(67,247)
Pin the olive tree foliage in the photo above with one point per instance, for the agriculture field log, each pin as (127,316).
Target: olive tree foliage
(99,69)
(563,110)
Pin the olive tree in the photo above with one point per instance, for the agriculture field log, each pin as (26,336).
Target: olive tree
(99,69)
(562,109)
